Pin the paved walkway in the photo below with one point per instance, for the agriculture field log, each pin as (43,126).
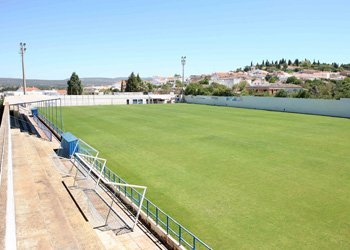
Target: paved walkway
(46,215)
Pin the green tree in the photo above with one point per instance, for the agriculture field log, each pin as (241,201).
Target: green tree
(222,90)
(306,63)
(204,81)
(132,84)
(165,88)
(281,93)
(271,78)
(294,80)
(241,86)
(296,62)
(138,79)
(193,89)
(342,88)
(302,94)
(179,84)
(74,85)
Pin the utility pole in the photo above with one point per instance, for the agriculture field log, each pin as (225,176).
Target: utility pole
(22,51)
(183,62)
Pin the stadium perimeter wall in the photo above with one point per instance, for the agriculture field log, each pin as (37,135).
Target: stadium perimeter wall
(122,99)
(339,108)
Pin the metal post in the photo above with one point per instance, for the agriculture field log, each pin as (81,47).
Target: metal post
(46,113)
(61,115)
(140,208)
(75,148)
(101,173)
(56,122)
(22,51)
(180,234)
(52,115)
(93,163)
(167,224)
(147,207)
(183,62)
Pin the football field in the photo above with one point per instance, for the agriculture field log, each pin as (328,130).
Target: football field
(237,178)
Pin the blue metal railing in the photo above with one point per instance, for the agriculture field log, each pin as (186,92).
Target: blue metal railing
(170,226)
(47,132)
(51,124)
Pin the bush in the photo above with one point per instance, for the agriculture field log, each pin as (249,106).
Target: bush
(294,80)
(302,94)
(214,89)
(271,78)
(281,93)
(193,89)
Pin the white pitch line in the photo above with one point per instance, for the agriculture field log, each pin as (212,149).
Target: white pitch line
(10,238)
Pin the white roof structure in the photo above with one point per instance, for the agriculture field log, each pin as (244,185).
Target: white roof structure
(13,100)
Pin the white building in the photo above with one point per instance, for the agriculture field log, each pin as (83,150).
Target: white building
(118,98)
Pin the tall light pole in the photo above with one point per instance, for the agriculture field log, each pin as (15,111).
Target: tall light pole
(22,51)
(183,62)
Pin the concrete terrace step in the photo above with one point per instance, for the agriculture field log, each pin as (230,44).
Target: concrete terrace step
(46,217)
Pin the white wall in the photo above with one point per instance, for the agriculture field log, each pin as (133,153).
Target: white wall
(339,108)
(85,100)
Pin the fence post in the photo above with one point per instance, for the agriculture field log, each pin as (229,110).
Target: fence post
(157,215)
(147,205)
(180,235)
(167,224)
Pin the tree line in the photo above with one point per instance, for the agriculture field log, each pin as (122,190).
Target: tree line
(133,84)
(323,89)
(297,65)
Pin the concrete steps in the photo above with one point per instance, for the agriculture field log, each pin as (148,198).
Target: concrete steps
(46,216)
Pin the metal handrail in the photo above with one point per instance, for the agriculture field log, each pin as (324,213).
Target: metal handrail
(157,219)
(51,124)
(111,176)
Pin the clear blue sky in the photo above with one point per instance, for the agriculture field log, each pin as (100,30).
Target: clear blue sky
(113,38)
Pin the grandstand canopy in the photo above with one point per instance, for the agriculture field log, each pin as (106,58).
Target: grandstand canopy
(13,100)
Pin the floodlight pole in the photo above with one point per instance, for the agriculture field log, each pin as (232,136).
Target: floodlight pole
(22,51)
(183,62)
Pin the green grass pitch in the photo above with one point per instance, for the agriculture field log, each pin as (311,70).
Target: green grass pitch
(237,178)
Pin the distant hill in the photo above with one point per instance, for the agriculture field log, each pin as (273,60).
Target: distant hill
(59,83)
